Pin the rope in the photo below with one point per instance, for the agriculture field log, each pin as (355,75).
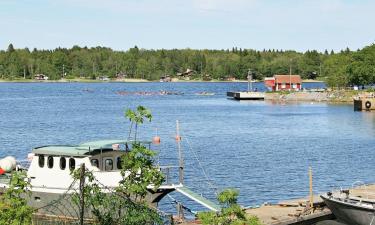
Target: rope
(183,206)
(201,166)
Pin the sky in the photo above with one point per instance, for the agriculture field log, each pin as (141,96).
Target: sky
(299,25)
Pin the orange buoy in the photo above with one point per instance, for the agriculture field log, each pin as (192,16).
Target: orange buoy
(2,171)
(178,138)
(116,147)
(156,140)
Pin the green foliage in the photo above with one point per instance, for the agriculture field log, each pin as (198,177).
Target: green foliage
(138,172)
(228,197)
(230,214)
(127,203)
(114,208)
(362,67)
(137,117)
(13,204)
(335,70)
(339,69)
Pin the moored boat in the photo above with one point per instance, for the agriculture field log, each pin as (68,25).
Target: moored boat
(50,169)
(52,184)
(350,210)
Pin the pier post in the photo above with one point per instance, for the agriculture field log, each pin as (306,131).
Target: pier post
(311,188)
(180,156)
(180,209)
(81,194)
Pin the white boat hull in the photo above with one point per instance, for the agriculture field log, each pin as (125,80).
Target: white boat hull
(349,212)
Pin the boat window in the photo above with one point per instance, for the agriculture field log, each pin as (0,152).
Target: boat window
(108,164)
(41,161)
(119,163)
(95,162)
(62,163)
(72,163)
(50,162)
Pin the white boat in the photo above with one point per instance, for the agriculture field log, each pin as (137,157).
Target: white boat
(51,181)
(350,210)
(50,171)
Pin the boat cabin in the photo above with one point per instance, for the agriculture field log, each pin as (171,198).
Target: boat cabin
(51,165)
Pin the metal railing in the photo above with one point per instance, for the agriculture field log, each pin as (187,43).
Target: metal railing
(171,174)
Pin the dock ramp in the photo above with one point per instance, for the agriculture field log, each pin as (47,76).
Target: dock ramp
(198,198)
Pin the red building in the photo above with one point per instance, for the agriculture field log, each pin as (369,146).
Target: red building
(283,82)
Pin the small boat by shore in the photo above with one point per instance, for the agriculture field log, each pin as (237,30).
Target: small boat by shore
(349,209)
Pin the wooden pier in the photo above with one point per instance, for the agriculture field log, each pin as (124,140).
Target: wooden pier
(246,95)
(299,212)
(293,212)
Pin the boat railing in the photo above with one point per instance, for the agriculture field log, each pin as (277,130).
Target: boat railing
(170,173)
(362,186)
(24,164)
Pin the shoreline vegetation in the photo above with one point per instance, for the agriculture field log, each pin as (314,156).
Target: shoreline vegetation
(133,80)
(338,69)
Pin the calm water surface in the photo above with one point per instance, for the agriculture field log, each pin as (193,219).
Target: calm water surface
(262,148)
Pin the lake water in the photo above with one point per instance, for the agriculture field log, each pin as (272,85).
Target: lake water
(262,148)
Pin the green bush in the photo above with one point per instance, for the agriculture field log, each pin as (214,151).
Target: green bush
(230,214)
(13,204)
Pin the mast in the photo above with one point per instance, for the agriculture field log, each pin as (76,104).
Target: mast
(249,78)
(180,209)
(180,156)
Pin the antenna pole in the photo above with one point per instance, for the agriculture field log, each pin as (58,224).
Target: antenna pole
(311,188)
(180,156)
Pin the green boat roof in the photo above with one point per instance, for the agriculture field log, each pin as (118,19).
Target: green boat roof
(81,149)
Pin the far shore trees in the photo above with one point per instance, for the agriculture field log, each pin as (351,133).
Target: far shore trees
(338,69)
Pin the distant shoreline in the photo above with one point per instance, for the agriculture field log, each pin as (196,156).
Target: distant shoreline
(133,81)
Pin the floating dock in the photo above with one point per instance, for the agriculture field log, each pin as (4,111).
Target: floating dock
(246,95)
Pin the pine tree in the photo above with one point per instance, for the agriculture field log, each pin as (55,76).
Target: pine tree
(10,48)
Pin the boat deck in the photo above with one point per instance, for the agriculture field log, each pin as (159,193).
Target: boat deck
(246,95)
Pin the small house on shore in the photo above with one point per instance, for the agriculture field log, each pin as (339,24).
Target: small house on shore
(283,82)
(40,77)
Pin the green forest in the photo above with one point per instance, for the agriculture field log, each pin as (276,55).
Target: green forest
(338,69)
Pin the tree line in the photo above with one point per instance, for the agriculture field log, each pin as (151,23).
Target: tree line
(338,69)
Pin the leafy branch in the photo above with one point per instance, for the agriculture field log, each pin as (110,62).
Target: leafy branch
(230,214)
(136,118)
(13,204)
